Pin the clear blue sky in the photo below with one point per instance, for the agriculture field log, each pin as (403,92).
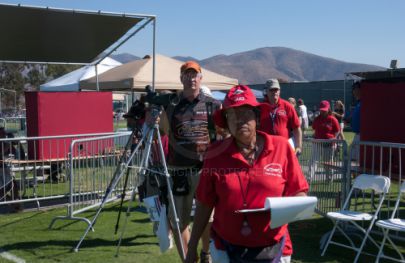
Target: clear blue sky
(361,31)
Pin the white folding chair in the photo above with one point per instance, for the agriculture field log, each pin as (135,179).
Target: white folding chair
(364,182)
(394,224)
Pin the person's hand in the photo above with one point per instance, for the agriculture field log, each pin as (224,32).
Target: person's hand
(135,139)
(191,257)
(298,151)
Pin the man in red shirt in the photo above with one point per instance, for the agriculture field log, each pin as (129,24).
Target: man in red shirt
(280,118)
(240,172)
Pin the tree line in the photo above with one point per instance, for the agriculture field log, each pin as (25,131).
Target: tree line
(26,77)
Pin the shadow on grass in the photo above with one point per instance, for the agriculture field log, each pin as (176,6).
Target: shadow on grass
(306,236)
(23,218)
(141,220)
(93,243)
(90,215)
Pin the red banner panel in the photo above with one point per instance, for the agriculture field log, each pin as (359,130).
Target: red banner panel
(65,113)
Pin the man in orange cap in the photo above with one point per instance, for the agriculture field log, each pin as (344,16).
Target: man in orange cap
(189,137)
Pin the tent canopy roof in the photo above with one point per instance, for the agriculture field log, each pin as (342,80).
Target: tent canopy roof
(137,74)
(34,34)
(70,81)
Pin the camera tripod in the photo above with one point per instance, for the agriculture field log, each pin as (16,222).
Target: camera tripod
(124,166)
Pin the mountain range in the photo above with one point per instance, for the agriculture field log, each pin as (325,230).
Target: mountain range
(258,65)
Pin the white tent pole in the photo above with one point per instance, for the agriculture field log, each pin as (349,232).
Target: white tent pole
(127,102)
(97,84)
(344,90)
(154,53)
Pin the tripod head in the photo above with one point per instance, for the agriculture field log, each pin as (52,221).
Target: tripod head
(153,116)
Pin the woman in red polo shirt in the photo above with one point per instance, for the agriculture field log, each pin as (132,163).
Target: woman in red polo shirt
(325,126)
(240,172)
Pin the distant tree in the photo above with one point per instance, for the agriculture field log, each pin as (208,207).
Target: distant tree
(15,76)
(55,71)
(36,76)
(11,79)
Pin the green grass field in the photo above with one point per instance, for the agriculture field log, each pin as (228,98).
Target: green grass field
(27,236)
(119,124)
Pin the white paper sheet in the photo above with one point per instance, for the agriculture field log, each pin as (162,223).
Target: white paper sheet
(285,210)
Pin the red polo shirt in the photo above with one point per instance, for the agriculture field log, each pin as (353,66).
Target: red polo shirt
(325,127)
(276,172)
(279,119)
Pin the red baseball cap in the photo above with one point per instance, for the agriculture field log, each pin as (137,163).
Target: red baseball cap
(237,96)
(324,105)
(190,65)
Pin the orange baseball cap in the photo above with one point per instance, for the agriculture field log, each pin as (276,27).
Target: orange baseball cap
(190,65)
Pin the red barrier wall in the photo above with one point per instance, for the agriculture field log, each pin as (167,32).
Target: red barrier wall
(383,111)
(65,113)
(383,120)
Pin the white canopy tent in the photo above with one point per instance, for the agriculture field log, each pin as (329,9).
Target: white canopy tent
(70,81)
(137,74)
(220,95)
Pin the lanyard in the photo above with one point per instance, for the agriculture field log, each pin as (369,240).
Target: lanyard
(273,116)
(245,230)
(244,194)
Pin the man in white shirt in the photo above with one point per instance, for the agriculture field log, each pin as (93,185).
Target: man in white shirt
(304,116)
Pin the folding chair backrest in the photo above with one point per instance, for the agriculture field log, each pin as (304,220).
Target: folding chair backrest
(401,192)
(378,183)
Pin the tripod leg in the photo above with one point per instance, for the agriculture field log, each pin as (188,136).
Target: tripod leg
(126,221)
(122,201)
(126,182)
(170,193)
(119,171)
(143,167)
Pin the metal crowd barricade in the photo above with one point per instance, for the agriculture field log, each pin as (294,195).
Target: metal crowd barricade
(380,158)
(33,170)
(375,158)
(92,163)
(324,163)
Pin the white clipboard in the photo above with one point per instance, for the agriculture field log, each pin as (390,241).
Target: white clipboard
(285,210)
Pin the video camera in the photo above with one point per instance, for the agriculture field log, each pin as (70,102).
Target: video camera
(137,110)
(158,100)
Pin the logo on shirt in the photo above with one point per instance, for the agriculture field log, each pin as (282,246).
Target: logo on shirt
(191,129)
(273,169)
(282,113)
